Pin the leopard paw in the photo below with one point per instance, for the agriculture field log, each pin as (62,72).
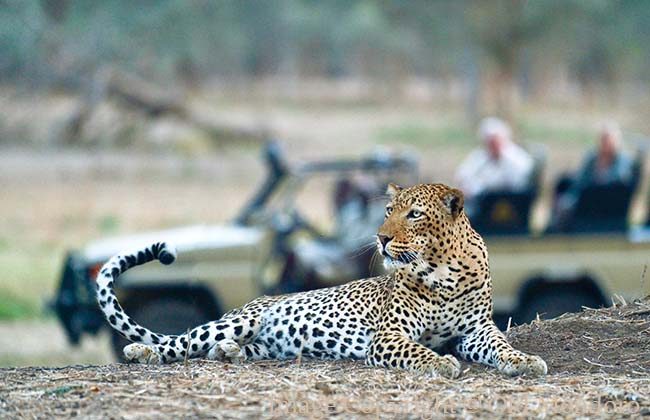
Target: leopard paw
(444,366)
(142,353)
(226,351)
(524,365)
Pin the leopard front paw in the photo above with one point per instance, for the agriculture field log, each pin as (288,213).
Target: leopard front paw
(524,364)
(443,366)
(142,353)
(226,351)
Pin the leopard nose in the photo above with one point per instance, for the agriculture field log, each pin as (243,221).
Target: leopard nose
(384,239)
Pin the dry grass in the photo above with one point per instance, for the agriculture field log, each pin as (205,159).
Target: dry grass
(583,386)
(203,389)
(612,340)
(309,389)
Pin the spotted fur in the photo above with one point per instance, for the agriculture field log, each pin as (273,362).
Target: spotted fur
(438,294)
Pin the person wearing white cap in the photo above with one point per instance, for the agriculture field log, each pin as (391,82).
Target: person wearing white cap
(500,165)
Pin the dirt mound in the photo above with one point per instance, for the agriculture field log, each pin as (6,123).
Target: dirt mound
(610,340)
(598,366)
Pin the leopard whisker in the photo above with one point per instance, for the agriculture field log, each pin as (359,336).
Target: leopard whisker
(373,262)
(412,255)
(407,257)
(362,249)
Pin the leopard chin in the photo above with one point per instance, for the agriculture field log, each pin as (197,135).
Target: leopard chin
(401,259)
(391,263)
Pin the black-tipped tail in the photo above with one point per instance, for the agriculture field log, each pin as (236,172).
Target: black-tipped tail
(108,302)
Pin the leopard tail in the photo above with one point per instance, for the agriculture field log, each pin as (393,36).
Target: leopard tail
(108,302)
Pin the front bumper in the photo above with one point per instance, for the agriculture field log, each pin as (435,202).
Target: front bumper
(75,305)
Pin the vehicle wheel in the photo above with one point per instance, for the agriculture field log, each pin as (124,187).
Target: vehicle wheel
(551,304)
(166,315)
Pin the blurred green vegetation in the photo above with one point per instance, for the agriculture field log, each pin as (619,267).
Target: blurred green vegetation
(62,42)
(15,308)
(30,276)
(554,133)
(421,135)
(108,224)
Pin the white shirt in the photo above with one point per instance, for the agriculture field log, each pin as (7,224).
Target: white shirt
(479,172)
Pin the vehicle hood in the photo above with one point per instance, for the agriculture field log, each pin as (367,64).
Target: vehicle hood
(185,239)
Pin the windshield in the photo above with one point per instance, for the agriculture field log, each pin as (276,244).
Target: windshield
(318,190)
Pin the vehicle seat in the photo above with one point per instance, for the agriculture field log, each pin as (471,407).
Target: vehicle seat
(503,213)
(508,212)
(603,208)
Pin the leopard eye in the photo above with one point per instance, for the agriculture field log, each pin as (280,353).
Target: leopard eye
(389,211)
(414,214)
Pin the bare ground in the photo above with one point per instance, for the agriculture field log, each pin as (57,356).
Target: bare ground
(598,366)
(42,342)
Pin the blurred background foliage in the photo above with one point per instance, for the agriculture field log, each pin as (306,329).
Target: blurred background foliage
(517,45)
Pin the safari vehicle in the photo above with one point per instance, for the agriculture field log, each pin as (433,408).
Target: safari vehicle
(271,248)
(268,248)
(591,255)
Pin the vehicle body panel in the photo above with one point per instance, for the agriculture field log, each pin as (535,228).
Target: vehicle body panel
(613,261)
(232,264)
(226,259)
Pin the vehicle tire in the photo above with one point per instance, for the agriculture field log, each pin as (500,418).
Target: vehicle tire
(550,304)
(166,315)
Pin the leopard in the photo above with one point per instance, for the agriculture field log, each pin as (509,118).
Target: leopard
(432,308)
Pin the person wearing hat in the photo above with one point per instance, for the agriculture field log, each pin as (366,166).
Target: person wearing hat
(500,165)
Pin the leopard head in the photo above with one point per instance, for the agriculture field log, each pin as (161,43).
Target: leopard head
(420,223)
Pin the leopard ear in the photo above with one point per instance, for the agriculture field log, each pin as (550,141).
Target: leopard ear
(453,201)
(393,189)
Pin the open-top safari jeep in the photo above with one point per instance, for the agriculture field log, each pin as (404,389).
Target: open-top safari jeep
(268,248)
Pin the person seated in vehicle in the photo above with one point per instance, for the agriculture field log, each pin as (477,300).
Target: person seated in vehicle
(608,164)
(500,165)
(345,254)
